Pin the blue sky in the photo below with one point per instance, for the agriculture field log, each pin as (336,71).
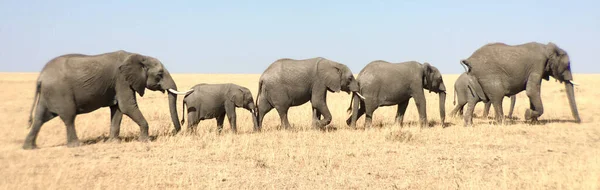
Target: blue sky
(247,36)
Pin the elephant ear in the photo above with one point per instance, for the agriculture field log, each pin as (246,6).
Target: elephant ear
(427,75)
(552,64)
(237,97)
(134,72)
(475,89)
(331,74)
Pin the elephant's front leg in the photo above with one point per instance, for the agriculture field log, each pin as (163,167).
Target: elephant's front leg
(319,102)
(231,116)
(116,116)
(421,104)
(468,116)
(136,115)
(220,120)
(316,117)
(535,101)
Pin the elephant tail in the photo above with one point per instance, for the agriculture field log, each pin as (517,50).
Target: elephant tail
(476,89)
(349,110)
(183,112)
(454,101)
(38,85)
(260,84)
(466,65)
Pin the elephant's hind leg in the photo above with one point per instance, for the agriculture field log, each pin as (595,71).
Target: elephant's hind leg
(68,117)
(458,110)
(42,115)
(263,108)
(499,110)
(116,116)
(370,108)
(486,109)
(283,111)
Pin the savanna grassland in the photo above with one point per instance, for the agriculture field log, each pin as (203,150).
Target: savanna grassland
(554,154)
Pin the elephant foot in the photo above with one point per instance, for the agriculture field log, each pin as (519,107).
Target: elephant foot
(73,143)
(114,139)
(144,139)
(29,146)
(175,131)
(529,115)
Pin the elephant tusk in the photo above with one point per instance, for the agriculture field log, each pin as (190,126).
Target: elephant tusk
(573,82)
(179,93)
(360,95)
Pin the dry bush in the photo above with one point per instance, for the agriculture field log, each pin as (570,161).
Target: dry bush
(553,154)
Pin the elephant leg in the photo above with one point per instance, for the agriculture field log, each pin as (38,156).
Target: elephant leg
(351,121)
(283,110)
(468,116)
(231,116)
(486,109)
(263,108)
(369,110)
(69,119)
(324,110)
(400,112)
(115,122)
(535,101)
(42,115)
(316,117)
(139,119)
(513,100)
(421,104)
(220,120)
(499,111)
(458,110)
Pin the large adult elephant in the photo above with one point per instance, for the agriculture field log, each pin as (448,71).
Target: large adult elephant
(385,84)
(75,83)
(289,82)
(505,70)
(463,90)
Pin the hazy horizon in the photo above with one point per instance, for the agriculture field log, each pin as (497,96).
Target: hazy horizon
(238,37)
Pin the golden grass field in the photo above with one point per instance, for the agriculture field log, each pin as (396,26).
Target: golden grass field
(555,154)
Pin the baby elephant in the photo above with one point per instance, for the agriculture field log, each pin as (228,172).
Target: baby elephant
(462,92)
(209,101)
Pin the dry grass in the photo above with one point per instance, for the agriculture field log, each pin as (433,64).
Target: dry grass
(555,154)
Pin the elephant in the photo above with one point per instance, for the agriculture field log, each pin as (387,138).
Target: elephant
(289,82)
(462,93)
(74,84)
(208,101)
(385,84)
(505,70)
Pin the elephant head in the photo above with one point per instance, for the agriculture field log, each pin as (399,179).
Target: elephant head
(242,97)
(143,72)
(432,81)
(558,65)
(336,76)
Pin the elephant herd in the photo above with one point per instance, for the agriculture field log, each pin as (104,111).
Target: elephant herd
(73,84)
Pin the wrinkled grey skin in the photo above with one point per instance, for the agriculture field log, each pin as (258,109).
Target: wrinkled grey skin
(505,70)
(386,84)
(75,84)
(209,101)
(288,82)
(463,93)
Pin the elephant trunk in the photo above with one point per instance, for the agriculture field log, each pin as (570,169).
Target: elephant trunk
(169,84)
(253,110)
(442,107)
(572,103)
